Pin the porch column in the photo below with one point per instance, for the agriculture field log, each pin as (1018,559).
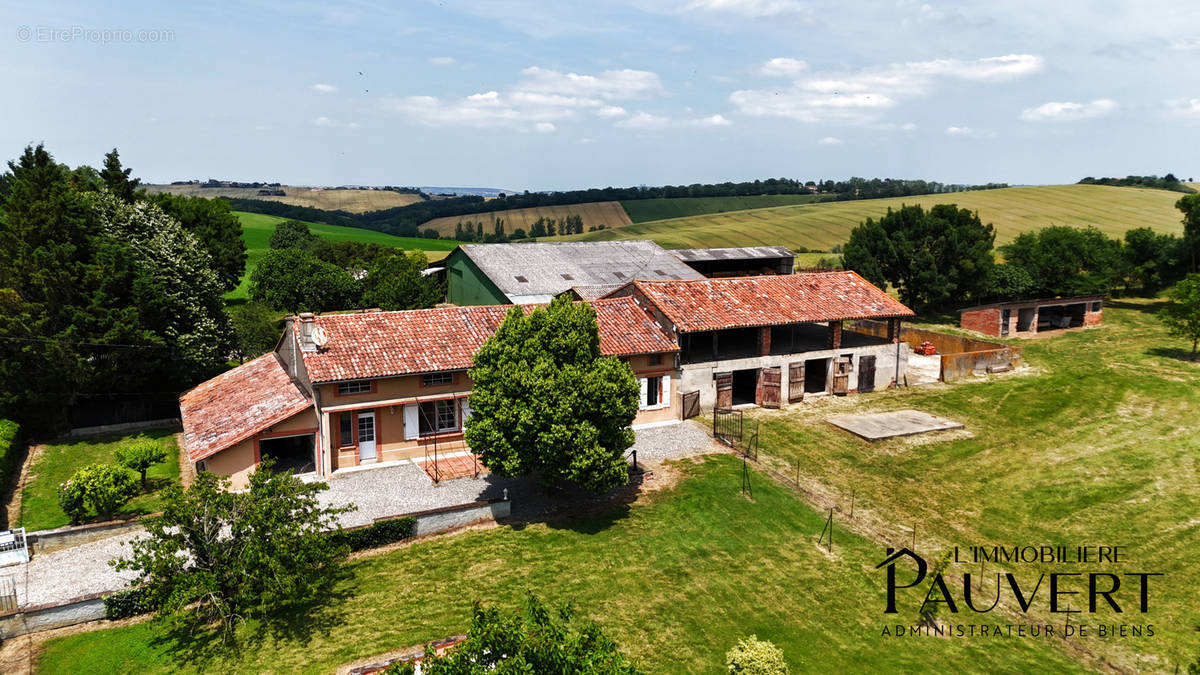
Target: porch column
(325,467)
(834,340)
(764,340)
(893,330)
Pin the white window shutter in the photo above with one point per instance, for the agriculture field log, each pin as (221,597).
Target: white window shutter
(643,399)
(466,409)
(411,430)
(664,400)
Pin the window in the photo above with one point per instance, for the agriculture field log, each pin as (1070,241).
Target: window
(437,379)
(437,417)
(345,429)
(653,391)
(201,466)
(358,387)
(655,359)
(656,392)
(1096,306)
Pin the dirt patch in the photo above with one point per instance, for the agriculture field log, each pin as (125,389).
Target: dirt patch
(12,509)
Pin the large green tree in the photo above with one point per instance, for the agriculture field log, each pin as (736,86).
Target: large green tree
(1182,314)
(117,178)
(1190,206)
(545,402)
(216,557)
(934,259)
(1065,260)
(214,223)
(1152,259)
(294,234)
(541,641)
(395,282)
(255,328)
(294,280)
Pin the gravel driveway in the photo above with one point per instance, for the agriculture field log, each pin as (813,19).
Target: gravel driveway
(387,491)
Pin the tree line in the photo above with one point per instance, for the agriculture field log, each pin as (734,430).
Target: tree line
(945,258)
(406,221)
(1167,182)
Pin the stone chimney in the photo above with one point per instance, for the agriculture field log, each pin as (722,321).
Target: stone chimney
(307,323)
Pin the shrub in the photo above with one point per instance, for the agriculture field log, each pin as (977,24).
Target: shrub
(139,454)
(105,487)
(10,441)
(377,534)
(127,603)
(751,656)
(71,500)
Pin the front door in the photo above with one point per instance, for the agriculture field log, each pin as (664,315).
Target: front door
(796,382)
(724,389)
(866,374)
(366,437)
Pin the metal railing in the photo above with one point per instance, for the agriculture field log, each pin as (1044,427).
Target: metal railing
(13,548)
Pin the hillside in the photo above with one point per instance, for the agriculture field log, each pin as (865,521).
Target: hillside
(824,225)
(644,210)
(608,214)
(352,201)
(257,229)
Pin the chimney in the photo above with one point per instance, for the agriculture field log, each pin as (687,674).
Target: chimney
(307,323)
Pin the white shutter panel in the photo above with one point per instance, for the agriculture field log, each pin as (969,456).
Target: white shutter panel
(411,430)
(643,399)
(466,410)
(664,400)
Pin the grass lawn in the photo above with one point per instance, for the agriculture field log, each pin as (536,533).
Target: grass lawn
(39,499)
(257,229)
(823,225)
(1099,446)
(675,580)
(643,210)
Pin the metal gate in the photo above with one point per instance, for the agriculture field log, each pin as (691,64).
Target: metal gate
(691,404)
(727,426)
(769,381)
(796,382)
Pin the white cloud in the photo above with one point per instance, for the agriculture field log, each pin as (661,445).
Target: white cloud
(442,60)
(544,127)
(863,96)
(321,88)
(783,67)
(829,140)
(1067,111)
(323,121)
(757,9)
(711,121)
(644,120)
(968,132)
(541,95)
(1184,107)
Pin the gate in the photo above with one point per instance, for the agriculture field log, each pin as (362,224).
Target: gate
(724,389)
(727,426)
(691,404)
(796,382)
(866,374)
(769,380)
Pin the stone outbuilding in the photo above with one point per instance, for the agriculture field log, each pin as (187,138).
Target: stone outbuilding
(1025,318)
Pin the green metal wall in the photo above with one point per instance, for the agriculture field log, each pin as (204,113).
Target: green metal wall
(468,285)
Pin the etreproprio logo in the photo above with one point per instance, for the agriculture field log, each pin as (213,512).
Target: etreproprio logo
(1064,593)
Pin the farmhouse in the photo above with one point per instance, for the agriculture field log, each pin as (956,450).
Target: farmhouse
(1029,317)
(488,274)
(771,340)
(374,388)
(371,388)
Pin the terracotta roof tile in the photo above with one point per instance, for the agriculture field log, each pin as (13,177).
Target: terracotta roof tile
(715,304)
(384,344)
(237,404)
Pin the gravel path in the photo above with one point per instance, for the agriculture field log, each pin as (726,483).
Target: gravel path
(387,491)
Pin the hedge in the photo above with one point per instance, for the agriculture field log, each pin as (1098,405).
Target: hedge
(10,451)
(380,533)
(127,603)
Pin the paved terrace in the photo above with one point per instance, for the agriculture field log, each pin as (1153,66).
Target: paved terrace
(387,491)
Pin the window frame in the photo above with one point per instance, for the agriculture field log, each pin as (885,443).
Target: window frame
(338,389)
(427,377)
(440,406)
(347,424)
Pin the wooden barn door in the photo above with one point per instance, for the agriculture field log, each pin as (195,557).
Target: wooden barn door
(796,382)
(769,380)
(841,375)
(724,389)
(866,374)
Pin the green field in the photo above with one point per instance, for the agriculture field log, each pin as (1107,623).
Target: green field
(824,225)
(257,229)
(56,463)
(643,210)
(676,579)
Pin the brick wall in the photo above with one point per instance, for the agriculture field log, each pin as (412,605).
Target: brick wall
(985,321)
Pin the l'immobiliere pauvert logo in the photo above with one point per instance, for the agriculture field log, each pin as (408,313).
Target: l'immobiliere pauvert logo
(1086,587)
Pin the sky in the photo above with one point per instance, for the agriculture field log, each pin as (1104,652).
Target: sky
(557,94)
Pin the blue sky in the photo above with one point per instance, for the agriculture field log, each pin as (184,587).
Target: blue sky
(558,95)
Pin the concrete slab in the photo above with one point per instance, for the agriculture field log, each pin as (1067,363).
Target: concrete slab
(878,426)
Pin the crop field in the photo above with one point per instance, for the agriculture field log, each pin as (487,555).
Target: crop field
(594,214)
(257,229)
(643,210)
(353,201)
(823,225)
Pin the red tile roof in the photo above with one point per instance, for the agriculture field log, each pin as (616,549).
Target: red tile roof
(714,304)
(384,344)
(235,405)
